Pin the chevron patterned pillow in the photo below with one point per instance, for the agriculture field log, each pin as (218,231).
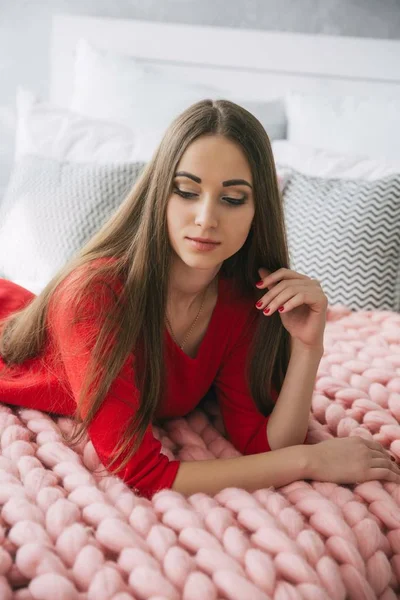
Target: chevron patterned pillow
(51,209)
(346,234)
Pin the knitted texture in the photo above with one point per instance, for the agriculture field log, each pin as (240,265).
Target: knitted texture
(68,533)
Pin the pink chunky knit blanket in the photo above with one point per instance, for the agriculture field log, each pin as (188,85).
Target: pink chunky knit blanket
(66,534)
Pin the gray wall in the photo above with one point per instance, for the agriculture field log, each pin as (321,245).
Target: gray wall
(25,33)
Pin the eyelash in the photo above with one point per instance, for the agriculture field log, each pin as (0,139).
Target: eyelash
(231,201)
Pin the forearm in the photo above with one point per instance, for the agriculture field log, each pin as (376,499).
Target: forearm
(288,422)
(251,472)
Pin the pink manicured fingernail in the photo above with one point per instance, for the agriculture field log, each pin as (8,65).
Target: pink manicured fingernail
(259,303)
(266,310)
(280,308)
(259,282)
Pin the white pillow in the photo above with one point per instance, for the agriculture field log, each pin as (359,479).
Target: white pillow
(119,88)
(52,132)
(367,126)
(318,162)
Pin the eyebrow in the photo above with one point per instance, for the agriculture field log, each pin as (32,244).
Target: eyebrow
(224,183)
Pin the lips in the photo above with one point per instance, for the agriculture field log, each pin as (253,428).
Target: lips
(202,246)
(203,241)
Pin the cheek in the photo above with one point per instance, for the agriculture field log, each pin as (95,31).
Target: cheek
(175,217)
(171,214)
(240,225)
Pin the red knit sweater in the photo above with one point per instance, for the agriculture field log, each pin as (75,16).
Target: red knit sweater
(220,361)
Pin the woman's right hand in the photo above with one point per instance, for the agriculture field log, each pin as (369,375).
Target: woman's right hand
(351,460)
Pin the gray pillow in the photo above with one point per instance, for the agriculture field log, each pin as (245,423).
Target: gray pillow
(51,209)
(271,114)
(346,234)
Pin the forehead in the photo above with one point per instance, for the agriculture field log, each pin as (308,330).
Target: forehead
(215,155)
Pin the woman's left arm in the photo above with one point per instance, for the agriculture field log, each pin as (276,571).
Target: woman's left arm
(302,306)
(288,422)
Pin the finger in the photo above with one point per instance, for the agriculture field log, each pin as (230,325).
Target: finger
(302,297)
(291,298)
(374,445)
(282,273)
(378,450)
(283,290)
(295,285)
(279,275)
(382,454)
(283,300)
(384,463)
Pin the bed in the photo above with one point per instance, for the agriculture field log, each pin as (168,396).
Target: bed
(68,534)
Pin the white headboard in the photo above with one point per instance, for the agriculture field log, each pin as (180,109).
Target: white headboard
(253,64)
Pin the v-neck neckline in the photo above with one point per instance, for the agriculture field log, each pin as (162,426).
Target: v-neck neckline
(207,334)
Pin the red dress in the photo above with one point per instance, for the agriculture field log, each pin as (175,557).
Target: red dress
(220,362)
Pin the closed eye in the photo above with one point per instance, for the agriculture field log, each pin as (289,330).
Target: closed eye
(232,201)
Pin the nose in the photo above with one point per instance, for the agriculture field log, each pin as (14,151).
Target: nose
(206,214)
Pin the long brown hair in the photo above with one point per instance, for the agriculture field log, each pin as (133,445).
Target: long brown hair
(136,237)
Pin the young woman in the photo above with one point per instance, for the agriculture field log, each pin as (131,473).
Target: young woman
(144,321)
